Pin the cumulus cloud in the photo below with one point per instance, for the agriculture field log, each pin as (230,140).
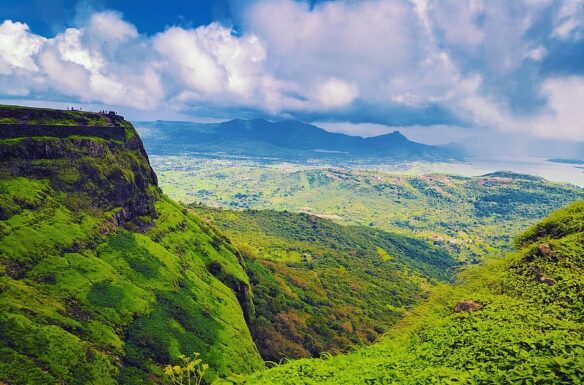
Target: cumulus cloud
(210,61)
(110,27)
(564,116)
(367,59)
(17,47)
(376,46)
(335,93)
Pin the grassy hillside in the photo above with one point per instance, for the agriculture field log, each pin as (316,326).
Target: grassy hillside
(322,287)
(102,279)
(470,217)
(518,319)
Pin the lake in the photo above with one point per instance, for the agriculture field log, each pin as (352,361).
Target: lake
(557,172)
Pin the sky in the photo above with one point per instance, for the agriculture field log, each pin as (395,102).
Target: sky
(487,73)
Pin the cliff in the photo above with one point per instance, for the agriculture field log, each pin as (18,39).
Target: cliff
(104,171)
(103,280)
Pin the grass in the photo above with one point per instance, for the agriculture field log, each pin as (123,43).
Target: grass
(102,279)
(143,298)
(528,330)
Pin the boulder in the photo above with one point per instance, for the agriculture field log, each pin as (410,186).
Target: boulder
(466,306)
(545,249)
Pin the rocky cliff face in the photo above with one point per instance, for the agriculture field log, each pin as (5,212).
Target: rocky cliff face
(82,160)
(104,280)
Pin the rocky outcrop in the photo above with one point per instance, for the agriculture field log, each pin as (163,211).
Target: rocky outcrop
(466,306)
(545,249)
(103,166)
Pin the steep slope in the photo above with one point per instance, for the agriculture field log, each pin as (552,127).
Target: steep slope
(288,139)
(323,287)
(519,319)
(102,279)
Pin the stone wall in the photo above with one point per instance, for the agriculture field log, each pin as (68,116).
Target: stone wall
(11,130)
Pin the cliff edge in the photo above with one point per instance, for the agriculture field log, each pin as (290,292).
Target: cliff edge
(103,279)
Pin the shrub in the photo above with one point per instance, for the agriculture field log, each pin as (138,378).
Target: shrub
(190,372)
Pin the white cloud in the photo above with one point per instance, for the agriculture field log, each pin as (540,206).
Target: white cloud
(562,118)
(569,20)
(210,62)
(486,33)
(537,53)
(363,43)
(18,47)
(110,27)
(565,115)
(78,63)
(293,58)
(335,93)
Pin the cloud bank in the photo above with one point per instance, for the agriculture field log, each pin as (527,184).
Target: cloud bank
(459,63)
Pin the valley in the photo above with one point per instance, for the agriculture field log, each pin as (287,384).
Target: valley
(516,319)
(320,287)
(291,192)
(274,272)
(470,217)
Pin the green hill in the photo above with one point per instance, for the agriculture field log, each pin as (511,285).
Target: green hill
(514,320)
(102,278)
(323,287)
(471,217)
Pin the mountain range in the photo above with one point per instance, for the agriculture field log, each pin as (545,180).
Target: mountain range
(287,139)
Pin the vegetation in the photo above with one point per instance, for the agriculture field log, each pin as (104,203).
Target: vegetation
(513,320)
(48,116)
(102,279)
(322,287)
(469,217)
(191,372)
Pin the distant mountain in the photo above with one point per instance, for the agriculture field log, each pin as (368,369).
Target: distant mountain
(285,139)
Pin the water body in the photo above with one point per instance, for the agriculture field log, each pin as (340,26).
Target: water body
(556,172)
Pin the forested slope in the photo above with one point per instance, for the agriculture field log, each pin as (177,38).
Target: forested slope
(519,319)
(323,287)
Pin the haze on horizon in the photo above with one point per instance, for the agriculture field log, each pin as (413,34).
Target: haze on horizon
(500,77)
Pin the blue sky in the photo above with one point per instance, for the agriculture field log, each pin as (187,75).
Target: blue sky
(439,70)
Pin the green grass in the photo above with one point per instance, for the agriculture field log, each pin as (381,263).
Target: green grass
(47,116)
(143,298)
(529,330)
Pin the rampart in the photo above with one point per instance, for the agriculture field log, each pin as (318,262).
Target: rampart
(15,130)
